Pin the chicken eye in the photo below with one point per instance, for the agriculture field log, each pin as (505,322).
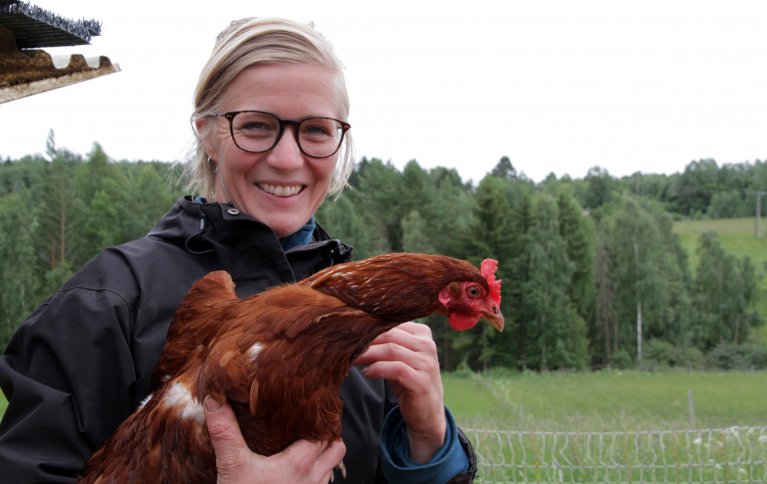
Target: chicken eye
(473,292)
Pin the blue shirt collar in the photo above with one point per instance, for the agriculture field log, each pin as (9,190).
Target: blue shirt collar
(302,237)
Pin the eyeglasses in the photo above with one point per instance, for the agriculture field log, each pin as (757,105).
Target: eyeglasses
(257,131)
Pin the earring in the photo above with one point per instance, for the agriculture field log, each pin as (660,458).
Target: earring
(215,167)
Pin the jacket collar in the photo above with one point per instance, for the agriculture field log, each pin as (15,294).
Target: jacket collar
(220,230)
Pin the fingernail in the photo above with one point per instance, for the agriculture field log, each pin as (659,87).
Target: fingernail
(211,404)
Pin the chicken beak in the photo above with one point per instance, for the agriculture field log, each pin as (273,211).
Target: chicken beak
(494,317)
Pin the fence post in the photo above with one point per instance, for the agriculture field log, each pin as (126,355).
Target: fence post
(691,403)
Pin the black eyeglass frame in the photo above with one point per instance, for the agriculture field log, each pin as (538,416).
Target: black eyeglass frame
(283,122)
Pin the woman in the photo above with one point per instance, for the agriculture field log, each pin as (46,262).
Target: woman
(273,141)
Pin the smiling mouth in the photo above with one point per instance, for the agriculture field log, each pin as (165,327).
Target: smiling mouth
(280,190)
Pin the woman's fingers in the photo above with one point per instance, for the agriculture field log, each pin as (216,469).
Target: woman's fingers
(406,356)
(302,461)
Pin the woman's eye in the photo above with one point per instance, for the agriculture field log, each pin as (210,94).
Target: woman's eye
(255,122)
(255,126)
(315,129)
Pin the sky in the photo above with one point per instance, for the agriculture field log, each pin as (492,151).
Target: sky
(558,86)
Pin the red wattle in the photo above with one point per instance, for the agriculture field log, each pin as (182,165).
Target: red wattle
(462,322)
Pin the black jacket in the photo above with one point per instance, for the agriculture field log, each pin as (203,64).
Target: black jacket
(81,363)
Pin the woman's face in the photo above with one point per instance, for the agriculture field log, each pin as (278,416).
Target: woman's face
(281,187)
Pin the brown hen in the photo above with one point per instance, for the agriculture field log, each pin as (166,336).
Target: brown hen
(279,358)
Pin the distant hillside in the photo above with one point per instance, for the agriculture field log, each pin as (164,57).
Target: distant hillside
(738,237)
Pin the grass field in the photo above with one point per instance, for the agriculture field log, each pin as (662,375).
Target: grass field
(737,236)
(607,400)
(614,427)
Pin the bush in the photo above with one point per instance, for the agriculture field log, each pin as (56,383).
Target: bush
(729,204)
(620,359)
(729,356)
(463,370)
(658,355)
(693,359)
(662,355)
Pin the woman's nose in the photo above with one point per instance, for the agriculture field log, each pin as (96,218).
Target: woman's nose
(286,155)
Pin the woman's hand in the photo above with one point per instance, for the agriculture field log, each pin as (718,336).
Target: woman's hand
(302,461)
(406,356)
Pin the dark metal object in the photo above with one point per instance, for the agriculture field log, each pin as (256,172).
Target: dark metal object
(24,70)
(35,28)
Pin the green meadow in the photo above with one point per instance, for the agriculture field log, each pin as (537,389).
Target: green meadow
(736,234)
(607,400)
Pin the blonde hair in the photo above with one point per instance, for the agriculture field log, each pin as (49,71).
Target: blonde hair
(250,42)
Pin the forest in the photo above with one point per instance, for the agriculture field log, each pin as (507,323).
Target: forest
(593,274)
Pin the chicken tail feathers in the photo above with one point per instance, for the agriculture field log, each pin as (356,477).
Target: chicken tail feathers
(191,328)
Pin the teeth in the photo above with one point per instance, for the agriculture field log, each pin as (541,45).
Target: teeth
(280,190)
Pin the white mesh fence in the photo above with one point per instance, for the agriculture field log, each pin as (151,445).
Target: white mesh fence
(729,455)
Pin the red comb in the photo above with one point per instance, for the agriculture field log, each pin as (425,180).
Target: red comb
(487,269)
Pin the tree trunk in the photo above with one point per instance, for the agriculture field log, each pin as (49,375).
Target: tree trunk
(63,233)
(639,330)
(639,310)
(53,253)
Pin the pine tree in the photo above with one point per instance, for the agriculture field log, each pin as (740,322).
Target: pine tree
(57,211)
(555,333)
(19,281)
(604,333)
(414,237)
(489,235)
(381,196)
(577,232)
(341,217)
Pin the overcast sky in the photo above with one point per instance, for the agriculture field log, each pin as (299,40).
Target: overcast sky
(556,85)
